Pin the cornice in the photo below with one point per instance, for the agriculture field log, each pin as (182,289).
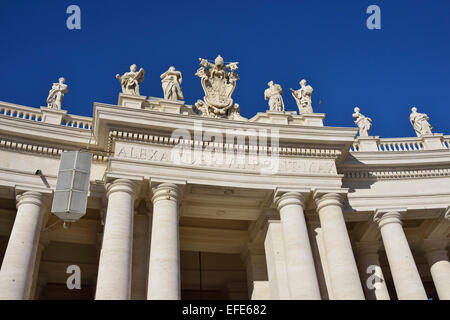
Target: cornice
(400,173)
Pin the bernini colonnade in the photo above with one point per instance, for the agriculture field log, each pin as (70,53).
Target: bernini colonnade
(322,213)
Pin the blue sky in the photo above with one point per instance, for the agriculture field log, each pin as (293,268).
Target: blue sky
(384,72)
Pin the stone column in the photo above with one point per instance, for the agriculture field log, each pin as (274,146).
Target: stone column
(114,270)
(372,277)
(255,264)
(276,265)
(43,242)
(315,235)
(341,264)
(164,267)
(140,254)
(407,282)
(16,274)
(437,257)
(301,272)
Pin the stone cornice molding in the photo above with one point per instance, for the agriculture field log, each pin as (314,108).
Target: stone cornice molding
(395,174)
(16,145)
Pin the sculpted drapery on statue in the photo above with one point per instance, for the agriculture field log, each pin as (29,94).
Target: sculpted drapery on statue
(56,94)
(420,123)
(303,97)
(171,84)
(130,80)
(273,93)
(364,123)
(218,84)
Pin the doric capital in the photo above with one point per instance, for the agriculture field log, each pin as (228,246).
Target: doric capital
(384,217)
(123,185)
(33,197)
(166,191)
(328,199)
(289,198)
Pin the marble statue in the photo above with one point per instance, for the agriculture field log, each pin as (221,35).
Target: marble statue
(56,94)
(273,93)
(130,80)
(420,123)
(171,84)
(218,82)
(303,97)
(364,123)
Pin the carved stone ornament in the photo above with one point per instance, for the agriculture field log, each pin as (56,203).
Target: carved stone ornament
(364,123)
(218,82)
(56,94)
(130,80)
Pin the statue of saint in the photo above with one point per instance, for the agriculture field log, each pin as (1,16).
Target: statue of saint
(171,81)
(420,123)
(273,93)
(56,94)
(130,80)
(364,123)
(303,97)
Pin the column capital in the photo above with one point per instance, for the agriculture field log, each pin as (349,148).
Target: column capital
(166,191)
(386,216)
(33,197)
(326,199)
(288,198)
(124,185)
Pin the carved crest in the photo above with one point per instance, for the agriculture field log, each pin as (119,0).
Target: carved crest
(218,82)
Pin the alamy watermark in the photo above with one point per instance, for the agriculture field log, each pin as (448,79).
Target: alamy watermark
(74,280)
(74,20)
(374,20)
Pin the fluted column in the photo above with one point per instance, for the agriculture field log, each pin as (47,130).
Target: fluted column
(114,271)
(301,272)
(372,277)
(407,282)
(437,257)
(164,266)
(341,264)
(16,274)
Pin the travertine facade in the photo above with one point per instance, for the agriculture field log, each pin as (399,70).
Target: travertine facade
(306,212)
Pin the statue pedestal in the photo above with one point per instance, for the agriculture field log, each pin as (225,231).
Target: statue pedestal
(131,101)
(275,117)
(169,106)
(368,143)
(433,141)
(52,116)
(312,119)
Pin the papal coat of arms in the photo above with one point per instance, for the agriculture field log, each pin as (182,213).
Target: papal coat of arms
(218,82)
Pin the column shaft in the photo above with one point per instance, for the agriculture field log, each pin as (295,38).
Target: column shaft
(114,272)
(437,258)
(16,274)
(164,267)
(301,272)
(341,264)
(407,282)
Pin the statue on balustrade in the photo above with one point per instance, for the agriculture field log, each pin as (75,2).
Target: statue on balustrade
(420,123)
(364,123)
(56,94)
(218,82)
(130,80)
(273,93)
(171,84)
(303,97)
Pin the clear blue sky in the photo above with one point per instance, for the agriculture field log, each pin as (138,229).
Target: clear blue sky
(384,72)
